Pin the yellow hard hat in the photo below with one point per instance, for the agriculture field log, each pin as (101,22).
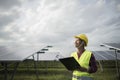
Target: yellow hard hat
(82,37)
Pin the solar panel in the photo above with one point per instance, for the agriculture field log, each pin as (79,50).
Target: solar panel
(113,45)
(105,55)
(49,56)
(16,53)
(99,55)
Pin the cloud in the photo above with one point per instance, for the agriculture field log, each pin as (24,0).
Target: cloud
(6,5)
(114,21)
(8,15)
(7,19)
(57,21)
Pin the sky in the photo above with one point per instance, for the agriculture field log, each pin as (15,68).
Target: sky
(56,22)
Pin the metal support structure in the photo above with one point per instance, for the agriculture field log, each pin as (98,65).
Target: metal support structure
(42,51)
(6,70)
(15,69)
(27,65)
(117,65)
(39,52)
(101,68)
(37,56)
(35,66)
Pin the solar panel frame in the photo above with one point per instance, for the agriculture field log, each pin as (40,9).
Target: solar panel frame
(112,45)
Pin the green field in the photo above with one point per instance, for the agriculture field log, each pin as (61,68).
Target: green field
(54,70)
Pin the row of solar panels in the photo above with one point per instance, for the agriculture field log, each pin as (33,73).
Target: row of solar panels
(16,53)
(99,55)
(20,53)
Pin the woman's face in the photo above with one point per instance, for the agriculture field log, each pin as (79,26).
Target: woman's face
(77,42)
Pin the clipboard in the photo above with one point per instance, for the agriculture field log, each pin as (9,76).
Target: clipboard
(70,63)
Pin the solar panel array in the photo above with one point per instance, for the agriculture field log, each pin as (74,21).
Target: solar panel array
(20,53)
(16,53)
(105,55)
(99,55)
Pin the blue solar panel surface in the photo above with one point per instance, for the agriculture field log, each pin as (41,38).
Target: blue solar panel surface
(16,53)
(105,55)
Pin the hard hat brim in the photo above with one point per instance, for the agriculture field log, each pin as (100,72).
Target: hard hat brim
(77,37)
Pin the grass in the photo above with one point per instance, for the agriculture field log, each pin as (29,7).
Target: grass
(56,71)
